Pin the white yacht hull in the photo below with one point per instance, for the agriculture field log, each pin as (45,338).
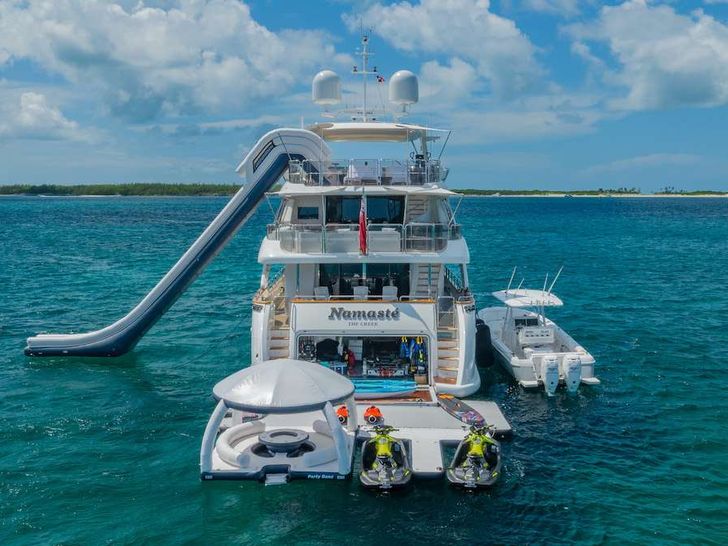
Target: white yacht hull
(452,369)
(564,363)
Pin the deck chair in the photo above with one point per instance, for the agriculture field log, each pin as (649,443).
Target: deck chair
(389,293)
(321,293)
(361,292)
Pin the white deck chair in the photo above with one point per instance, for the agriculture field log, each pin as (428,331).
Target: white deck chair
(321,293)
(361,292)
(389,293)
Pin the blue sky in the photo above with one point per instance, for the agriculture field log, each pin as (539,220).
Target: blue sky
(553,94)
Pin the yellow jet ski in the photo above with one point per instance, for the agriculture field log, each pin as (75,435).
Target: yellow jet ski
(384,461)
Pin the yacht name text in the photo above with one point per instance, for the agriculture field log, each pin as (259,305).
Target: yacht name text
(339,313)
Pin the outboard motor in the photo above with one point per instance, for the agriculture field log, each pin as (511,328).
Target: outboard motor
(571,368)
(550,373)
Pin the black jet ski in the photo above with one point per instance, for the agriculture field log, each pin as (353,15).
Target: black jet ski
(384,461)
(477,460)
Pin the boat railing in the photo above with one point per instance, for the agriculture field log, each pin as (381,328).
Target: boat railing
(336,238)
(446,312)
(276,287)
(357,172)
(358,298)
(425,237)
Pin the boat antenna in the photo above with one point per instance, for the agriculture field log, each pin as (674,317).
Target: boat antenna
(556,278)
(545,281)
(510,281)
(520,283)
(364,52)
(454,212)
(444,144)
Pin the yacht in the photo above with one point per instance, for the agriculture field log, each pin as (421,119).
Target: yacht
(365,267)
(364,276)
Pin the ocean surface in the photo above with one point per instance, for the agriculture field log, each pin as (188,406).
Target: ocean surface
(96,451)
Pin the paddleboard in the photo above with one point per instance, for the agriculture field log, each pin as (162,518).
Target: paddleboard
(460,410)
(382,388)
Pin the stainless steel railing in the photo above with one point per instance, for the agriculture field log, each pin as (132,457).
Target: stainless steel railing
(386,172)
(337,238)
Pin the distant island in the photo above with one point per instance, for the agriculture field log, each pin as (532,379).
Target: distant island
(158,189)
(137,189)
(621,192)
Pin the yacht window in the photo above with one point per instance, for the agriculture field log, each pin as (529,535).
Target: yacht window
(521,322)
(379,275)
(342,278)
(342,210)
(385,210)
(308,213)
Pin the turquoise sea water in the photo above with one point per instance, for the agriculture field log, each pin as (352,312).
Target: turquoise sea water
(106,451)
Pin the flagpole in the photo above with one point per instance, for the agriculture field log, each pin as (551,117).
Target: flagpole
(366,249)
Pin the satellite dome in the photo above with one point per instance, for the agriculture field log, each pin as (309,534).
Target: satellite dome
(326,88)
(403,88)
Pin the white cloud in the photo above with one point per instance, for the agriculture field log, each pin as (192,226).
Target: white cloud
(666,59)
(447,82)
(555,114)
(193,56)
(648,161)
(32,117)
(467,29)
(556,7)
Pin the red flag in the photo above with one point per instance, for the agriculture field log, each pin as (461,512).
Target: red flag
(363,227)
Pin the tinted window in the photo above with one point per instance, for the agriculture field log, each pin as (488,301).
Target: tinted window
(342,210)
(385,210)
(308,213)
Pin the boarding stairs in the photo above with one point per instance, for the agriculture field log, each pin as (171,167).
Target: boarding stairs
(426,281)
(279,343)
(279,331)
(417,207)
(448,355)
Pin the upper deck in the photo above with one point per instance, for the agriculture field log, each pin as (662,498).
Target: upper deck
(368,172)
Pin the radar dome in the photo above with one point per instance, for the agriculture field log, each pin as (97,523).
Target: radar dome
(403,88)
(326,88)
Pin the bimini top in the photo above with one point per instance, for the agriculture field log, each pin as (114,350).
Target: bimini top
(370,131)
(283,386)
(522,297)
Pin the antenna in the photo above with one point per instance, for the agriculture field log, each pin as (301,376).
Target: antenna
(556,278)
(510,281)
(364,72)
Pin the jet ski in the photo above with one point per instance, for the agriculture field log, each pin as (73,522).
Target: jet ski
(384,461)
(477,460)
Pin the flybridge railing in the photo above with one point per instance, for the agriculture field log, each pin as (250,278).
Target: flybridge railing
(336,238)
(355,172)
